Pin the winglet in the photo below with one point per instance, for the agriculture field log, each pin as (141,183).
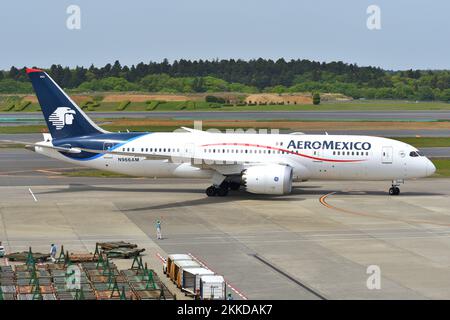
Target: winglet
(193,130)
(30,70)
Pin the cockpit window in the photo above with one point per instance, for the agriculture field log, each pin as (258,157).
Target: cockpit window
(415,154)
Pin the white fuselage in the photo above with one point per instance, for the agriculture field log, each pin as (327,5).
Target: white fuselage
(336,157)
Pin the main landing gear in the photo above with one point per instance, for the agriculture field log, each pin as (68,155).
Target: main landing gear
(213,191)
(221,190)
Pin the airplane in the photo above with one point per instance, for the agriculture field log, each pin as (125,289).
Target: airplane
(257,163)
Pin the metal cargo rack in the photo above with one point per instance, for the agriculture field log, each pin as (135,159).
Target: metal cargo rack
(145,283)
(7,283)
(99,279)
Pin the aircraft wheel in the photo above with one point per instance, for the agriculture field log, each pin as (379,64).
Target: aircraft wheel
(211,191)
(234,186)
(222,192)
(394,191)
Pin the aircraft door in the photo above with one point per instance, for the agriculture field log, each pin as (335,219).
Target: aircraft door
(387,155)
(107,146)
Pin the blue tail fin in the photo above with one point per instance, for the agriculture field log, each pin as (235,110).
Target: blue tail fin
(64,118)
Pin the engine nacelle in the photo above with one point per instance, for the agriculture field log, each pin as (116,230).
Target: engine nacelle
(268,179)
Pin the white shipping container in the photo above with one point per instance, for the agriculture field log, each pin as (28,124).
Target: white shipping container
(190,278)
(212,288)
(172,258)
(179,265)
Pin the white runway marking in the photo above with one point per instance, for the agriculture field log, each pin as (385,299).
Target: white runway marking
(31,192)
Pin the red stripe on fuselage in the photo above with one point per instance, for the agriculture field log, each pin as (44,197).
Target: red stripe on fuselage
(278,149)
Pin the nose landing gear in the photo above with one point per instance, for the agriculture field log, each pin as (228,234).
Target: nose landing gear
(395,190)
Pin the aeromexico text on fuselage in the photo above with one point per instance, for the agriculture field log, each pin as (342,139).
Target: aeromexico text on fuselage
(329,144)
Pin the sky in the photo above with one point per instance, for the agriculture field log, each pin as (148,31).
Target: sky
(413,34)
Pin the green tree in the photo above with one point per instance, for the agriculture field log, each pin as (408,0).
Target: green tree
(316,98)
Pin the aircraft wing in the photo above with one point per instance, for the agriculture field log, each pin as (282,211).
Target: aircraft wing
(130,154)
(32,144)
(79,150)
(222,166)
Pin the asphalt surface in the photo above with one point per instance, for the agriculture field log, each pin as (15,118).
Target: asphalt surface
(322,237)
(265,247)
(436,152)
(262,115)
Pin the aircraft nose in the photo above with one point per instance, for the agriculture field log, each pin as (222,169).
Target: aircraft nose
(431,169)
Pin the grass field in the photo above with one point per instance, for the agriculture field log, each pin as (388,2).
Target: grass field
(369,105)
(94,173)
(442,168)
(425,142)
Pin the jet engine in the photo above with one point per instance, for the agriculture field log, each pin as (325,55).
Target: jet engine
(268,179)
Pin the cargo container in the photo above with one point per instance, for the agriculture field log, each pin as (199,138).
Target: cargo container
(212,288)
(180,264)
(170,260)
(190,279)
